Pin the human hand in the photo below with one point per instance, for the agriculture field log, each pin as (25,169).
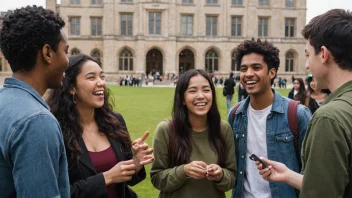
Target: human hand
(142,155)
(214,172)
(276,171)
(196,169)
(121,172)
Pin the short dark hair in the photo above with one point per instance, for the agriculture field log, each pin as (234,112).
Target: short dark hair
(333,30)
(269,52)
(25,32)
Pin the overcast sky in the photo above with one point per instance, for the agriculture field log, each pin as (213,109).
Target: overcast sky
(315,7)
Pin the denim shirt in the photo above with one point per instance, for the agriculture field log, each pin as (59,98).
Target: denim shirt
(279,139)
(32,153)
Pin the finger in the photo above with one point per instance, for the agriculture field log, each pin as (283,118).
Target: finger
(136,141)
(146,134)
(145,162)
(201,164)
(127,162)
(143,146)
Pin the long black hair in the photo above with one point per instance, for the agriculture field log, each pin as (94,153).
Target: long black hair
(182,148)
(64,109)
(301,93)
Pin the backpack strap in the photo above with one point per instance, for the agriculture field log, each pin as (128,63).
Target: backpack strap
(294,125)
(171,139)
(233,114)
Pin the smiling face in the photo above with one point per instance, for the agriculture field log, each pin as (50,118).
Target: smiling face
(198,97)
(296,85)
(254,74)
(313,85)
(90,87)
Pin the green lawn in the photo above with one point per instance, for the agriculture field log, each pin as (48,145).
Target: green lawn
(143,108)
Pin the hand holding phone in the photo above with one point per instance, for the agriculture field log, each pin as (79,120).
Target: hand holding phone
(256,158)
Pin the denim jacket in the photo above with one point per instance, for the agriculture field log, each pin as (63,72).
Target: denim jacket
(279,139)
(32,152)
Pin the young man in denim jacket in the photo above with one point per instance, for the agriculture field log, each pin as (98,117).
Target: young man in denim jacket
(260,123)
(32,153)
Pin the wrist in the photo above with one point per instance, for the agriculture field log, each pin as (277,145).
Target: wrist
(107,177)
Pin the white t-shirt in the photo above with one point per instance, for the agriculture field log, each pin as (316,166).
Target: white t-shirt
(254,185)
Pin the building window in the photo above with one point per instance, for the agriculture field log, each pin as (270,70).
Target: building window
(96,54)
(263,24)
(75,2)
(75,25)
(126,1)
(187,25)
(97,1)
(126,24)
(212,1)
(290,59)
(289,27)
(234,67)
(126,60)
(187,1)
(290,3)
(155,23)
(211,61)
(96,26)
(236,25)
(263,3)
(75,51)
(237,2)
(212,25)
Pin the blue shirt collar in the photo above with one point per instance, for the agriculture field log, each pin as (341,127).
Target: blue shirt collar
(18,84)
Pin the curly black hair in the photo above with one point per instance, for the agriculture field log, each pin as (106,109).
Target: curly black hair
(63,108)
(269,52)
(25,32)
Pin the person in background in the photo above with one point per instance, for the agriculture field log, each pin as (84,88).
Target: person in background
(326,150)
(229,86)
(101,162)
(298,92)
(32,153)
(316,96)
(194,151)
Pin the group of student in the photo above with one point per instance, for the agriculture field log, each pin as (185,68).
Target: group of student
(75,145)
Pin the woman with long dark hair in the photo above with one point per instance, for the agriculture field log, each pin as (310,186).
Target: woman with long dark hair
(194,151)
(317,96)
(101,162)
(298,92)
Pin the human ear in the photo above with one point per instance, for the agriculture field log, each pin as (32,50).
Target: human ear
(46,53)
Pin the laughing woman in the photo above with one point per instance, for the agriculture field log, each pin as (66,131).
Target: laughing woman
(194,152)
(101,162)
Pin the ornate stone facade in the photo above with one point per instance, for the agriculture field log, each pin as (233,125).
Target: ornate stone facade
(131,37)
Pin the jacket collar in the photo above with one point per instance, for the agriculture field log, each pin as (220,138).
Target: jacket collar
(277,105)
(19,84)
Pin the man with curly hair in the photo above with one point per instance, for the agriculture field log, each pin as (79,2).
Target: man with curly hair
(32,154)
(260,123)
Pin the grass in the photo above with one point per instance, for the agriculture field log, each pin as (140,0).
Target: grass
(143,108)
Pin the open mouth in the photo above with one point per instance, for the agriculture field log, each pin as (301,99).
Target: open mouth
(200,104)
(98,93)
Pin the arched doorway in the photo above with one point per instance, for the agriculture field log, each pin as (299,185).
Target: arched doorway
(154,62)
(186,61)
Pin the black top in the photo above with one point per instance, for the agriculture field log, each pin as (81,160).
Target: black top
(229,85)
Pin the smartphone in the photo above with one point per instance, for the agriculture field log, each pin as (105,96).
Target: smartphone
(256,158)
